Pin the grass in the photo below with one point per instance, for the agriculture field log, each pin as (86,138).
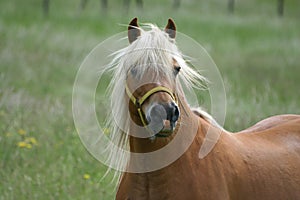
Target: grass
(256,52)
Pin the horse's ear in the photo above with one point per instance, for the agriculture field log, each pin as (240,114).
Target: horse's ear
(133,30)
(171,28)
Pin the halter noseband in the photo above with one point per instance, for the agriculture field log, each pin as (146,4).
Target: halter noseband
(139,102)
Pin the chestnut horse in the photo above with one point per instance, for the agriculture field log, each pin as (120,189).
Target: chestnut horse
(261,162)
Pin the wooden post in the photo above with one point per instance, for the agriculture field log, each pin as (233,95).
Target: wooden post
(83,4)
(231,6)
(45,5)
(139,4)
(126,4)
(176,4)
(104,5)
(280,7)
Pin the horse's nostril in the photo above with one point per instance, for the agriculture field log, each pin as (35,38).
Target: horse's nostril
(176,113)
(172,112)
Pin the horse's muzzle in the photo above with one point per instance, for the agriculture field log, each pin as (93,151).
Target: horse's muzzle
(162,117)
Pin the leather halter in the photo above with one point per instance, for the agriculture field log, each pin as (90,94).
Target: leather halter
(139,102)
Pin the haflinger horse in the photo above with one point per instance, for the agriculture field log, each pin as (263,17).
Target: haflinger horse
(261,162)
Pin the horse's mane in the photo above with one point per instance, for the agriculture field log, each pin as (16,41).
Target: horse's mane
(153,49)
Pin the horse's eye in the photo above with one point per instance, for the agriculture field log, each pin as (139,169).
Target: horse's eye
(133,71)
(177,69)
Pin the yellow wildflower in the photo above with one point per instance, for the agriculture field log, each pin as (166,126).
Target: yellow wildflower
(86,176)
(31,140)
(27,143)
(22,132)
(22,144)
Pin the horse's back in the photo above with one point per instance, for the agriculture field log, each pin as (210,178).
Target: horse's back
(271,153)
(281,131)
(277,133)
(274,122)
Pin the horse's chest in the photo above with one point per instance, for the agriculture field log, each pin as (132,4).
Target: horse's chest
(157,188)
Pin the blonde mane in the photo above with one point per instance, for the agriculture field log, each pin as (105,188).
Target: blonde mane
(153,49)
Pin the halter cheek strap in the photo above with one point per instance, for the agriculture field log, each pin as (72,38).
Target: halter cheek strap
(139,102)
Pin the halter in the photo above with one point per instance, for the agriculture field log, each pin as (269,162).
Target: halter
(139,102)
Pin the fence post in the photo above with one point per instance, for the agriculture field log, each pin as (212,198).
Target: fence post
(83,4)
(104,5)
(176,4)
(126,5)
(280,7)
(45,5)
(231,6)
(139,4)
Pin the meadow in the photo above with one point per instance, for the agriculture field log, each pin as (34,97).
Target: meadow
(41,155)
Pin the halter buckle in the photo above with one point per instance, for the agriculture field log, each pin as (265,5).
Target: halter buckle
(137,103)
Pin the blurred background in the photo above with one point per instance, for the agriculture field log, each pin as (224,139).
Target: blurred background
(255,44)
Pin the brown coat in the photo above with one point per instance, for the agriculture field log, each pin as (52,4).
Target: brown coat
(262,162)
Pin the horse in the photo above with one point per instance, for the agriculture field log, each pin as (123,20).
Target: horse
(261,162)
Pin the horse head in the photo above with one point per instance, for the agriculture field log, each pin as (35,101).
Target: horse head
(151,85)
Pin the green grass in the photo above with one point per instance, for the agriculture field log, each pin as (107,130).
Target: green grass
(257,54)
